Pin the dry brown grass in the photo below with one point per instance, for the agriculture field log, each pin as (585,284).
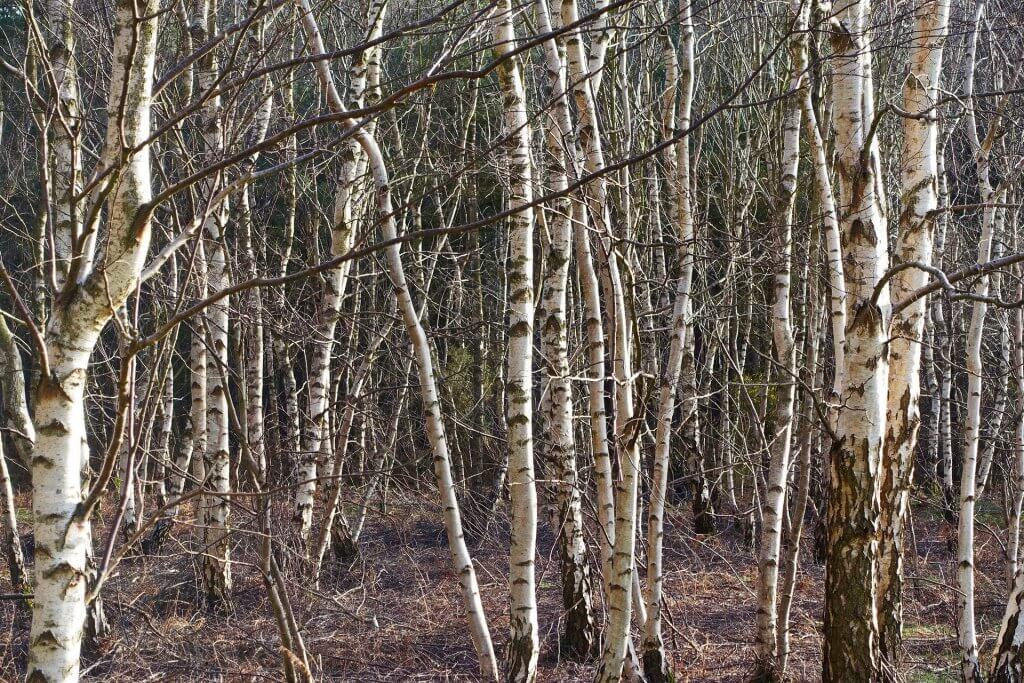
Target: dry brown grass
(402,582)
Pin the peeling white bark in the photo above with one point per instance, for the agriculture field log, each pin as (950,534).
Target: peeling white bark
(851,620)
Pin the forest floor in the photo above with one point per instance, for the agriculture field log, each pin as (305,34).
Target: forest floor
(396,614)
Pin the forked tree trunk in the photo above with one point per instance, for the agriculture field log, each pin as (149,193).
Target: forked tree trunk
(62,527)
(333,516)
(591,295)
(814,331)
(619,572)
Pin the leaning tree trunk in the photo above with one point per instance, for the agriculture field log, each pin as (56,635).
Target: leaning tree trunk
(435,426)
(127,464)
(13,392)
(15,403)
(11,539)
(833,248)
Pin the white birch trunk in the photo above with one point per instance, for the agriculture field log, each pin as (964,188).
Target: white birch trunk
(194,440)
(11,539)
(773,506)
(970,667)
(165,413)
(579,637)
(252,300)
(919,178)
(62,533)
(814,327)
(833,246)
(524,646)
(1008,658)
(594,325)
(1001,369)
(851,621)
(619,576)
(656,663)
(944,370)
(15,397)
(65,143)
(215,507)
(1016,486)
